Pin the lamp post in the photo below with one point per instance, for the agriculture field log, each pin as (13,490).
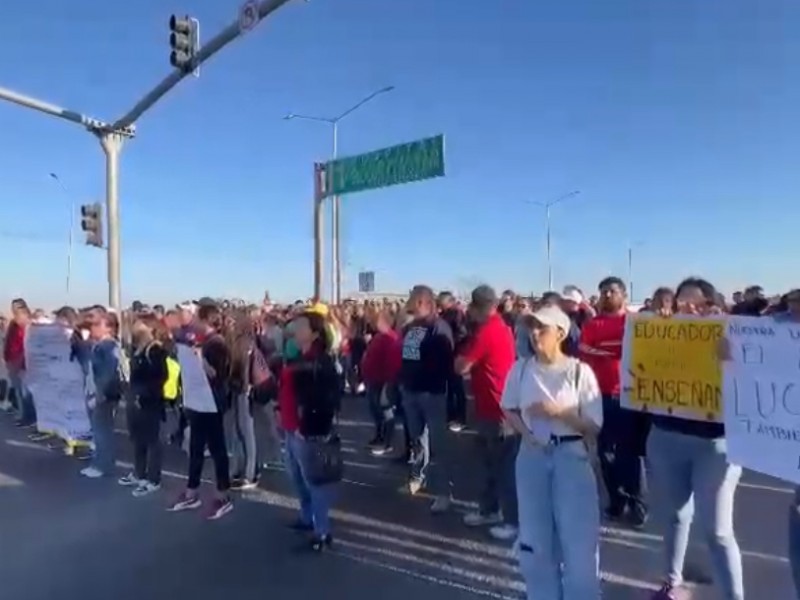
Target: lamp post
(547,206)
(631,246)
(71,235)
(336,263)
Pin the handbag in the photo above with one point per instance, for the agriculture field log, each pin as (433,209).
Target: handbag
(322,459)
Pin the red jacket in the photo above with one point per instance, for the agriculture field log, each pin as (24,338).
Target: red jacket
(14,349)
(382,359)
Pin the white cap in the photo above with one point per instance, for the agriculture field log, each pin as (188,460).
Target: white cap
(552,316)
(572,293)
(189,307)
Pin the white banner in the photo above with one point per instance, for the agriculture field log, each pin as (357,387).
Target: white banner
(762,396)
(56,382)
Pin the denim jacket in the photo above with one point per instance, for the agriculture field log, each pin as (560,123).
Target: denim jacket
(105,358)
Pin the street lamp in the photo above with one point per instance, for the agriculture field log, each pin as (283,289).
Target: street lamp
(547,206)
(631,246)
(336,264)
(58,181)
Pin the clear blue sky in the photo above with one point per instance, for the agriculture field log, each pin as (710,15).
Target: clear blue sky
(678,121)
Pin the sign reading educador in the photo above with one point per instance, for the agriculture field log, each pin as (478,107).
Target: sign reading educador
(414,161)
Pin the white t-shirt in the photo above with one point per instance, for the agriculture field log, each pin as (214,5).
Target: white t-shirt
(530,382)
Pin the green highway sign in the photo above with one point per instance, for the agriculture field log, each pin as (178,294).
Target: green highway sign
(403,163)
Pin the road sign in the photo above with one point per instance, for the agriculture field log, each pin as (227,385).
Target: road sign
(403,163)
(366,281)
(248,16)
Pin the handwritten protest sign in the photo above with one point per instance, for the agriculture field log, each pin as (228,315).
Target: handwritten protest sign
(671,366)
(56,382)
(762,391)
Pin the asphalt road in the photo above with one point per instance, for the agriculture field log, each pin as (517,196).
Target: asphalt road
(62,536)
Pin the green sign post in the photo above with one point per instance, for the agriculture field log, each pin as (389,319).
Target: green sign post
(414,161)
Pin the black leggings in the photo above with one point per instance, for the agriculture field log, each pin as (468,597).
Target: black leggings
(207,430)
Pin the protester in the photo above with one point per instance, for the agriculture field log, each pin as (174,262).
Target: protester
(207,429)
(792,315)
(622,440)
(149,375)
(488,358)
(242,438)
(5,400)
(308,400)
(689,470)
(553,401)
(427,354)
(14,356)
(103,391)
(456,395)
(380,368)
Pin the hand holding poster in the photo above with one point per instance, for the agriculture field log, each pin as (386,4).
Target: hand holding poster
(671,366)
(762,391)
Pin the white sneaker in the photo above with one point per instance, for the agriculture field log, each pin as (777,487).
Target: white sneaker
(5,406)
(130,480)
(504,532)
(441,505)
(145,489)
(91,473)
(478,519)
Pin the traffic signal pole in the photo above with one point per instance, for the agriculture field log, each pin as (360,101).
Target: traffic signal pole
(209,49)
(112,136)
(112,146)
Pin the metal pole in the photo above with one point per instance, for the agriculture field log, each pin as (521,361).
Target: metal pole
(49,109)
(319,174)
(336,268)
(112,146)
(549,257)
(222,39)
(630,271)
(71,205)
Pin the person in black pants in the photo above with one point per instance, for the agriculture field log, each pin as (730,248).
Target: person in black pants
(456,393)
(148,376)
(206,423)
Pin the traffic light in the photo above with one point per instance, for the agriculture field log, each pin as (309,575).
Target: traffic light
(184,39)
(92,224)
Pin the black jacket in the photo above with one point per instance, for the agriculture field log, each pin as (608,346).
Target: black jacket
(317,389)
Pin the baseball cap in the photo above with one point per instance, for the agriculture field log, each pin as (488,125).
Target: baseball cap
(573,294)
(207,301)
(552,316)
(319,308)
(190,307)
(484,296)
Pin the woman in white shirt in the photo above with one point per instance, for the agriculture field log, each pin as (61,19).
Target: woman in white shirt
(554,402)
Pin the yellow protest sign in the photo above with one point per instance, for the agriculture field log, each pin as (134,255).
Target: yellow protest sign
(671,366)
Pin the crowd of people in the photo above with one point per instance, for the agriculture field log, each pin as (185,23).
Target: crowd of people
(544,375)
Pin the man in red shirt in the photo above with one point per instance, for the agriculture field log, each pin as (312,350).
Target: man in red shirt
(622,439)
(488,358)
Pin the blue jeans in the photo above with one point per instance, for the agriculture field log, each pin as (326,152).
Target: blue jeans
(689,472)
(315,500)
(102,420)
(427,425)
(559,522)
(794,540)
(26,411)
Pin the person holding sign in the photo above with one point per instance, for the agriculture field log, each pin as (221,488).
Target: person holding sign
(553,401)
(205,373)
(689,469)
(792,315)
